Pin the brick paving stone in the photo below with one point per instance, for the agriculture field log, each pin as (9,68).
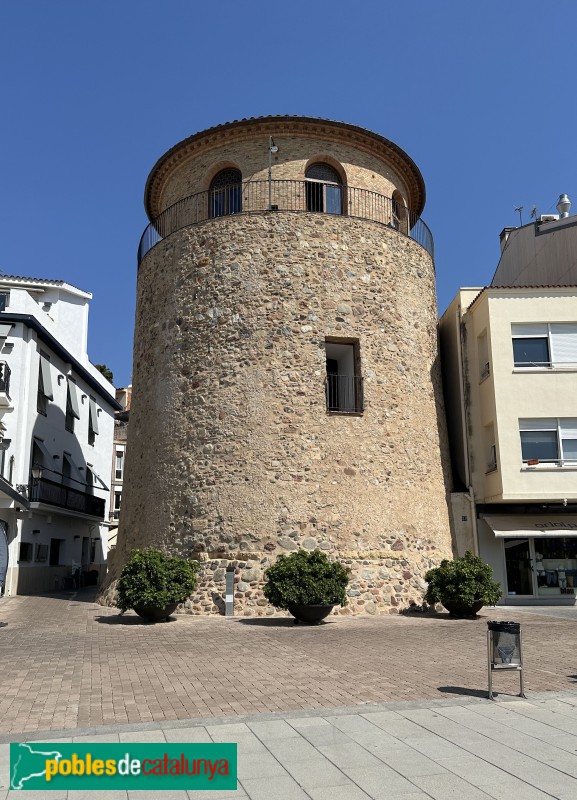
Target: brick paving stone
(76,664)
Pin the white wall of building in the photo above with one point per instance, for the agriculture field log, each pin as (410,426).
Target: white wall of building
(61,312)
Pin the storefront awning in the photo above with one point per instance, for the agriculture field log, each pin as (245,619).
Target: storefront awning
(532,527)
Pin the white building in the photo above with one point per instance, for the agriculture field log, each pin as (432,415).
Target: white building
(56,424)
(509,357)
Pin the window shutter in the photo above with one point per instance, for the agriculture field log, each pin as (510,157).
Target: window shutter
(537,424)
(73,399)
(532,329)
(46,379)
(45,454)
(568,428)
(564,344)
(93,421)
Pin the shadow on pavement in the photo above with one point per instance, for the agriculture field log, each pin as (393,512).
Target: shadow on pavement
(463,690)
(84,595)
(3,624)
(281,622)
(131,620)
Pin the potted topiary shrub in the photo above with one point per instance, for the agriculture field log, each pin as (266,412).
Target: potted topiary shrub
(463,586)
(153,584)
(307,584)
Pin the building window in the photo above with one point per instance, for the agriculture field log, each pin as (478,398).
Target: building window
(69,419)
(41,552)
(55,548)
(119,463)
(324,191)
(4,446)
(117,504)
(490,448)
(26,551)
(89,480)
(92,421)
(72,406)
(45,392)
(4,300)
(344,384)
(548,345)
(225,193)
(548,441)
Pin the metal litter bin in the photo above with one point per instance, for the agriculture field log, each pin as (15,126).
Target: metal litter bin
(504,651)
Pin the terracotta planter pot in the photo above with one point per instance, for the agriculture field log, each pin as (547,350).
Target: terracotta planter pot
(310,615)
(457,609)
(155,614)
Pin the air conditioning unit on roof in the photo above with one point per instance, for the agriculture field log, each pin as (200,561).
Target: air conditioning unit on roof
(548,217)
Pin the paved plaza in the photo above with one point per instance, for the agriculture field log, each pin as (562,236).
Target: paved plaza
(358,708)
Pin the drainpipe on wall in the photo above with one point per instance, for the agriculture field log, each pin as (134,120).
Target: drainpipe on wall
(465,432)
(471,498)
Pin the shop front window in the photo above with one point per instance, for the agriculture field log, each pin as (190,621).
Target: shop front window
(556,566)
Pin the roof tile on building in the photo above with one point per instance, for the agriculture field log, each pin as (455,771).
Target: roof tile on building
(44,281)
(526,286)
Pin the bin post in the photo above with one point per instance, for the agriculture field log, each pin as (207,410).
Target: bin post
(489,664)
(229,596)
(504,652)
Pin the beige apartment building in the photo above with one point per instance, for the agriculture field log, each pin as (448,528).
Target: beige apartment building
(509,359)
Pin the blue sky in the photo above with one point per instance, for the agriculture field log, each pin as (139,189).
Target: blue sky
(481,96)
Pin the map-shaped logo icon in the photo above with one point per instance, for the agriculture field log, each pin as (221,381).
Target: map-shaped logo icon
(29,763)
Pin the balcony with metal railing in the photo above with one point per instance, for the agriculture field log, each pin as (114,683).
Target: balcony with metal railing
(344,394)
(44,490)
(272,196)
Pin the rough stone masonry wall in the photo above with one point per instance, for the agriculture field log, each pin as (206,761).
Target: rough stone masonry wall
(233,458)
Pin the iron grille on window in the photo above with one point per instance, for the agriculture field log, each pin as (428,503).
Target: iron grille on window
(344,393)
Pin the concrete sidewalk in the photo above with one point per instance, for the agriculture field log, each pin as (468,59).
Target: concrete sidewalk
(470,749)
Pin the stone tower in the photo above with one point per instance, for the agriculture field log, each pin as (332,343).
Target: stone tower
(286,389)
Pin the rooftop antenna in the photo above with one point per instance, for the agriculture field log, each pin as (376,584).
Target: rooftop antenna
(519,210)
(534,212)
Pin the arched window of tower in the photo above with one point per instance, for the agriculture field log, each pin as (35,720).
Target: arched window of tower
(225,193)
(324,189)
